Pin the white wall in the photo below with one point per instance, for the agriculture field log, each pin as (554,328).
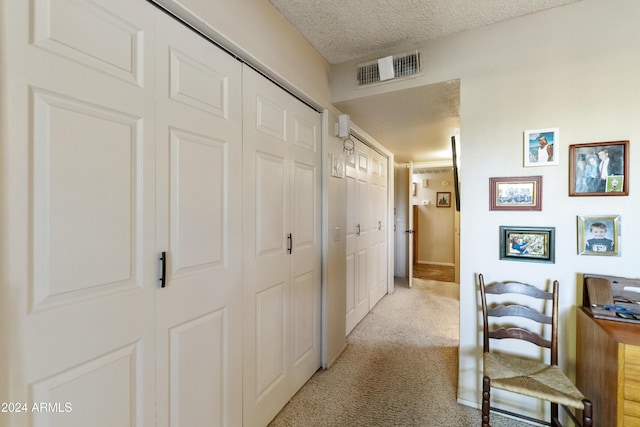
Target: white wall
(574,67)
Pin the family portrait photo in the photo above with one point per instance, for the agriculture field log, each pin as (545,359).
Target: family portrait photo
(515,193)
(598,169)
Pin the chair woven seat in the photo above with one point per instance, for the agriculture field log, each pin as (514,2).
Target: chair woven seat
(526,313)
(531,378)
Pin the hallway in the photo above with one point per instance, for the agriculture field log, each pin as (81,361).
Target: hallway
(399,369)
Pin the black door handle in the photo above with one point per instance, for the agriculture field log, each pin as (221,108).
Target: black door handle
(163,275)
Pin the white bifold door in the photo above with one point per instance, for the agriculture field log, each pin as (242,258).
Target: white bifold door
(199,228)
(378,226)
(79,280)
(366,235)
(281,187)
(125,141)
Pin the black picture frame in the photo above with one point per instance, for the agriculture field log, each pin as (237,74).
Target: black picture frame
(537,244)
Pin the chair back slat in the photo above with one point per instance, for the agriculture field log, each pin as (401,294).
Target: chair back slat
(520,311)
(518,288)
(520,334)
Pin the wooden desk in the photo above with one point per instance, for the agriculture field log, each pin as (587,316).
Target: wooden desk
(608,369)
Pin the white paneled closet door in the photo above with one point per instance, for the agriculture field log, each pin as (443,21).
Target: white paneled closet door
(358,235)
(281,247)
(199,227)
(78,185)
(379,212)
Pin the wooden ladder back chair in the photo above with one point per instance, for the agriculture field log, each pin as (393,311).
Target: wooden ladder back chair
(528,377)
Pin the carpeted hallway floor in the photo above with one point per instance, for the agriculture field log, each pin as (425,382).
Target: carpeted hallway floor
(399,369)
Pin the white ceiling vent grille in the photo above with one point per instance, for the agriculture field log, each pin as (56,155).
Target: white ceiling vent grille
(404,65)
(421,171)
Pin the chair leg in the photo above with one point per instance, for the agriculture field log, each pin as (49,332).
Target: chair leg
(486,397)
(587,420)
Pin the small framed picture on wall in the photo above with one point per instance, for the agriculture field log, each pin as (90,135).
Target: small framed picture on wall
(534,244)
(598,235)
(443,199)
(515,193)
(542,147)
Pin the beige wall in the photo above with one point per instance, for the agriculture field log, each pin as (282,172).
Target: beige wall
(435,224)
(574,67)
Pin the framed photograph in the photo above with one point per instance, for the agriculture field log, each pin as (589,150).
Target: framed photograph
(542,147)
(337,165)
(515,193)
(534,244)
(599,235)
(443,199)
(599,169)
(414,189)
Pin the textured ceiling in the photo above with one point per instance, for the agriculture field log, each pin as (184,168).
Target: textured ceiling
(342,30)
(417,124)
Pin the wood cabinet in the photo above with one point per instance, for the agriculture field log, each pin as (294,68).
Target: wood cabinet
(608,369)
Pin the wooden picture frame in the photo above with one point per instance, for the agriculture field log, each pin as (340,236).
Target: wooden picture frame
(532,244)
(542,147)
(443,199)
(586,161)
(599,235)
(515,193)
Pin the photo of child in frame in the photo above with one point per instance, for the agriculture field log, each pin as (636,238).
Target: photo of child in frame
(598,235)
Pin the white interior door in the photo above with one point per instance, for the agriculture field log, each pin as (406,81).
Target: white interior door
(199,226)
(281,247)
(79,194)
(359,230)
(378,209)
(351,237)
(410,226)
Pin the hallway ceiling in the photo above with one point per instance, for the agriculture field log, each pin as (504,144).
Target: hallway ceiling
(415,124)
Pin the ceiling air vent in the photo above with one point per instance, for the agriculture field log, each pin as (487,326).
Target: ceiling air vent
(387,68)
(421,171)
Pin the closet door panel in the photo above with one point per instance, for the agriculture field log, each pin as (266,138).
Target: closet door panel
(364,215)
(351,238)
(305,257)
(378,202)
(281,247)
(78,197)
(266,221)
(198,224)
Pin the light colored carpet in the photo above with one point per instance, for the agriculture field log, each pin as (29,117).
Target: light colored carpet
(399,369)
